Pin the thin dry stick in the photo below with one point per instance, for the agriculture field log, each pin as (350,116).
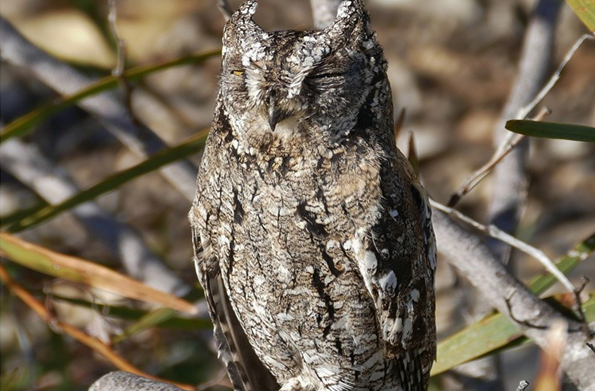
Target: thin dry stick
(497,233)
(509,143)
(554,79)
(509,193)
(513,139)
(92,342)
(118,71)
(225,9)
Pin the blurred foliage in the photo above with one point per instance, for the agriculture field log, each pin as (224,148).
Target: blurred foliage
(585,10)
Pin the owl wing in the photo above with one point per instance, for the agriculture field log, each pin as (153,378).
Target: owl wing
(244,368)
(398,265)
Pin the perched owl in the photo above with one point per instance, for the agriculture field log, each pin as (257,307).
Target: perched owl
(312,236)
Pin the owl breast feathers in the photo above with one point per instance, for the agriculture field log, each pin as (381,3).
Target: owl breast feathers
(312,236)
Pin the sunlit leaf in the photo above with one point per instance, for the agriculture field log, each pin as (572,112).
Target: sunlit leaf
(552,130)
(585,10)
(23,124)
(85,272)
(160,159)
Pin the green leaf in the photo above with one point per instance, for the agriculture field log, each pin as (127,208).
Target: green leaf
(22,213)
(496,331)
(552,130)
(160,159)
(148,321)
(474,341)
(23,124)
(585,10)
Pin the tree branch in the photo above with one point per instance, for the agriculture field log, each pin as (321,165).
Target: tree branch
(476,263)
(124,381)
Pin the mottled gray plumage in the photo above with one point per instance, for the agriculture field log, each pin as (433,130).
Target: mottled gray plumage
(312,236)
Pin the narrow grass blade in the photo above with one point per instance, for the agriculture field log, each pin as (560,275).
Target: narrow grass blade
(170,155)
(23,124)
(82,271)
(552,130)
(22,213)
(148,321)
(585,10)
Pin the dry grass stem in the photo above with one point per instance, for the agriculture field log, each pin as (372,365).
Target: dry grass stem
(497,233)
(509,143)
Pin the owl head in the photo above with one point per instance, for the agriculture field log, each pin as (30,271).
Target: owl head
(299,81)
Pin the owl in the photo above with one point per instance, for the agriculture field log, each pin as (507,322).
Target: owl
(312,236)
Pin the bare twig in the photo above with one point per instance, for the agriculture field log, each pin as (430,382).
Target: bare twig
(497,233)
(510,182)
(578,306)
(509,143)
(508,178)
(475,262)
(29,165)
(324,12)
(513,139)
(524,112)
(141,140)
(92,342)
(225,9)
(118,71)
(522,322)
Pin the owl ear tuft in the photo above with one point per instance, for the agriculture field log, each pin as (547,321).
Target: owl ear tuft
(352,19)
(248,8)
(243,22)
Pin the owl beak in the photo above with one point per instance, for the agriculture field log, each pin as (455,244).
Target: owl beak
(276,115)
